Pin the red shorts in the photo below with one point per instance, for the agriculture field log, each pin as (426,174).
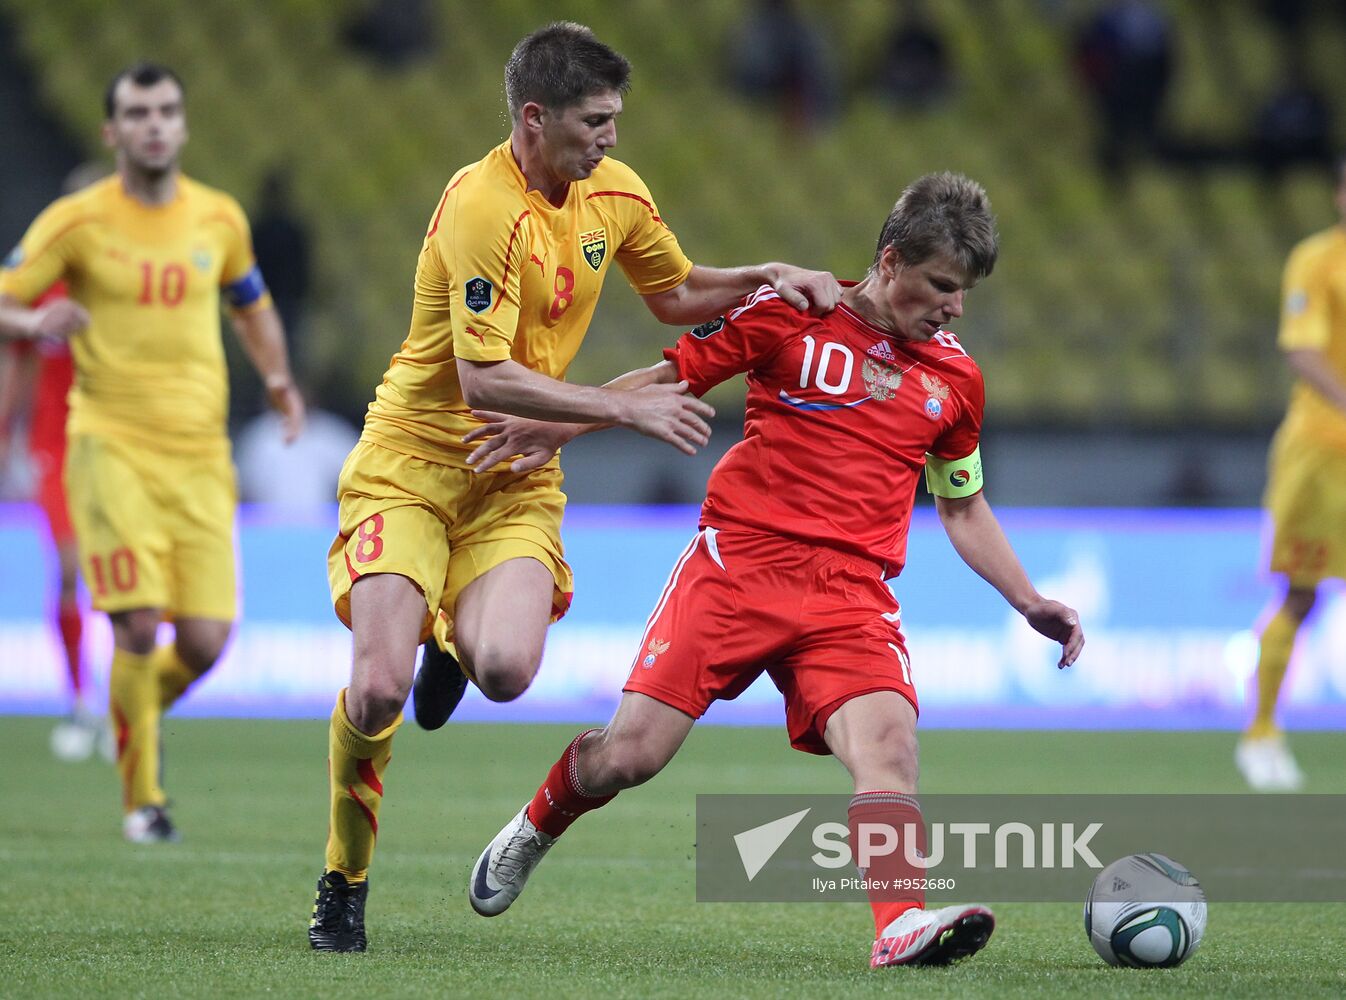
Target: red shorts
(49,464)
(820,622)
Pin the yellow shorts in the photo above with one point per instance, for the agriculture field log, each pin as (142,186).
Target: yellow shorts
(442,527)
(154,530)
(1306,497)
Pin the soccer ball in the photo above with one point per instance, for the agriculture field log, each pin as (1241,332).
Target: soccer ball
(1145,911)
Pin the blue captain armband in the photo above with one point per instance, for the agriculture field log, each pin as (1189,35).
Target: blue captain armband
(954,478)
(246,290)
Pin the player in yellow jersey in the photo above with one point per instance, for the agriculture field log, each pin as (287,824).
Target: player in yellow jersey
(147,255)
(511,267)
(1306,491)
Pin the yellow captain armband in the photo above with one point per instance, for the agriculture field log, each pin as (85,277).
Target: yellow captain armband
(954,478)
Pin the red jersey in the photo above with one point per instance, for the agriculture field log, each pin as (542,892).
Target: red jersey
(839,418)
(55,374)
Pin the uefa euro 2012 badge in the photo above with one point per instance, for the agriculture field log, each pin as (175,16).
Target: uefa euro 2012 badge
(14,259)
(477,294)
(938,393)
(656,648)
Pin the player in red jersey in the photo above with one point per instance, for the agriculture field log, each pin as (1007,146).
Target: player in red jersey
(37,378)
(803,522)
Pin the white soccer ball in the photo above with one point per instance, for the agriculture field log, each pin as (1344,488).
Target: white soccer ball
(1145,911)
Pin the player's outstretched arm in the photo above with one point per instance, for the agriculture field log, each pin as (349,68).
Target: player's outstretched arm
(56,320)
(977,536)
(503,435)
(263,339)
(711,291)
(661,410)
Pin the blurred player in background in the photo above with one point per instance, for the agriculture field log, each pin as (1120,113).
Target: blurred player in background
(34,382)
(510,271)
(146,255)
(803,522)
(1306,489)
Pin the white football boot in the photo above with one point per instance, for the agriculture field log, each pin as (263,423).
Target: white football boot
(1268,765)
(933,937)
(505,865)
(150,825)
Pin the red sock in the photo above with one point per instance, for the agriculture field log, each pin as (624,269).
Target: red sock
(70,622)
(887,814)
(560,801)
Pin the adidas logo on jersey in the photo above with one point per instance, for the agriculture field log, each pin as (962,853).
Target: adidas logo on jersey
(882,351)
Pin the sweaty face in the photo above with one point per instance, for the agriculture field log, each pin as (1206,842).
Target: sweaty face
(919,299)
(576,138)
(148,126)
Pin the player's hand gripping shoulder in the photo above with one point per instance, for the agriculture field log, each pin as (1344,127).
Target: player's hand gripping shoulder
(815,291)
(504,435)
(1059,623)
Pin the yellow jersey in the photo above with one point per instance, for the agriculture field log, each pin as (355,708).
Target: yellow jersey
(1313,315)
(503,273)
(149,368)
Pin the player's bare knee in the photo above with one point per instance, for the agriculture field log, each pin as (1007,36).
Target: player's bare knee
(136,631)
(1299,602)
(502,676)
(504,685)
(372,703)
(201,648)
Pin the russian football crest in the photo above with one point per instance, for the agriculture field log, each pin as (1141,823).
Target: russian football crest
(880,372)
(937,392)
(477,294)
(594,246)
(656,649)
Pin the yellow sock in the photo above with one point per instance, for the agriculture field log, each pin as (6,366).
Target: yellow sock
(174,676)
(1278,642)
(134,705)
(355,765)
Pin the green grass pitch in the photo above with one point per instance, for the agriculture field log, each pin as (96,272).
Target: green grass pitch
(610,913)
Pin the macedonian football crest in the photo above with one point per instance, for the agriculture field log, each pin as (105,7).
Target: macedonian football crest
(594,246)
(881,378)
(655,647)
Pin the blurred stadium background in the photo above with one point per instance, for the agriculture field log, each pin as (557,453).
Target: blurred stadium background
(1127,334)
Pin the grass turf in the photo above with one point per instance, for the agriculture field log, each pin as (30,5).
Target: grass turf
(611,912)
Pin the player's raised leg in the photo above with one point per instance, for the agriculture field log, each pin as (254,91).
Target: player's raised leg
(498,629)
(874,736)
(1262,755)
(500,623)
(387,612)
(196,647)
(642,737)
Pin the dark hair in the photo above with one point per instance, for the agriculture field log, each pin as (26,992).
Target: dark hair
(142,74)
(560,65)
(943,214)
